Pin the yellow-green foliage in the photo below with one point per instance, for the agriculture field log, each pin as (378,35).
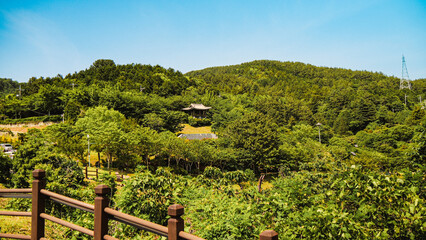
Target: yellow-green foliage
(8,139)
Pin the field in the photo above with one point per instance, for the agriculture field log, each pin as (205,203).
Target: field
(23,128)
(192,130)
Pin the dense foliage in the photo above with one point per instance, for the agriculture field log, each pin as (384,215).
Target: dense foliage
(360,174)
(7,86)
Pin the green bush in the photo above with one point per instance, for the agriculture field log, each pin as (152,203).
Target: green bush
(5,167)
(212,172)
(199,122)
(51,118)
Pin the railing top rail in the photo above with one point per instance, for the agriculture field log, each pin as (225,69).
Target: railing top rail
(137,222)
(71,201)
(16,190)
(189,236)
(14,213)
(14,236)
(16,193)
(108,237)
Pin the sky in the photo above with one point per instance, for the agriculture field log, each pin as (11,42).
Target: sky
(46,38)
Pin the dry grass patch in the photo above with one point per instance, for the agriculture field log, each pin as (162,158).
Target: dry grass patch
(188,129)
(23,128)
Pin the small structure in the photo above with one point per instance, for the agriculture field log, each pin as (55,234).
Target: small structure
(197,110)
(198,136)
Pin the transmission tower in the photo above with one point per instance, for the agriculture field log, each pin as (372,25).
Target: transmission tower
(405,79)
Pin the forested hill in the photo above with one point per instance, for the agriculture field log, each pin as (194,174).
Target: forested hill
(7,86)
(295,79)
(133,89)
(326,95)
(105,73)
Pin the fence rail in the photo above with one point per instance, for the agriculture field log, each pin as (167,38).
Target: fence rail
(91,173)
(39,195)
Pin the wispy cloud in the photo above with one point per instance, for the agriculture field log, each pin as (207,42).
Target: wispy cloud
(43,38)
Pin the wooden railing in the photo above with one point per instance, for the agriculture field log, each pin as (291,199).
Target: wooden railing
(95,173)
(39,195)
(91,173)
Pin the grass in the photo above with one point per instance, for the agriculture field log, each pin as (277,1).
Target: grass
(188,129)
(22,225)
(23,128)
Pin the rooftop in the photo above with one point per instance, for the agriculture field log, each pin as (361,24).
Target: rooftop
(196,106)
(198,136)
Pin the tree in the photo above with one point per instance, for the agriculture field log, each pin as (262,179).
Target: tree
(199,152)
(341,124)
(105,129)
(69,140)
(141,141)
(35,152)
(48,99)
(5,167)
(7,86)
(72,111)
(257,136)
(173,120)
(152,120)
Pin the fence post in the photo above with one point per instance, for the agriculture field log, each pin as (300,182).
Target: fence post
(38,204)
(268,235)
(101,218)
(96,174)
(175,223)
(87,177)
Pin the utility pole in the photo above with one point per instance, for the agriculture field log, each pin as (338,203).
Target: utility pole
(88,149)
(319,131)
(20,91)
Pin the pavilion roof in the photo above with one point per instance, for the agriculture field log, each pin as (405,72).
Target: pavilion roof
(196,106)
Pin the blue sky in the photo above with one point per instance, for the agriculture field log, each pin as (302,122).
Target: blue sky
(46,38)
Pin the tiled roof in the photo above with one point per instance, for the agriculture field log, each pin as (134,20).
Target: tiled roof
(196,106)
(198,136)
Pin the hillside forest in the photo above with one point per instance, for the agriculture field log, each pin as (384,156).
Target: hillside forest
(343,151)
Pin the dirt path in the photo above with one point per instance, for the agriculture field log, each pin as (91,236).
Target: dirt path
(23,128)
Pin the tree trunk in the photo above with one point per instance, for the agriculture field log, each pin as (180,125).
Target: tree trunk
(259,187)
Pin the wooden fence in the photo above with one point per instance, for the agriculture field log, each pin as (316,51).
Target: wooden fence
(39,196)
(91,173)
(95,173)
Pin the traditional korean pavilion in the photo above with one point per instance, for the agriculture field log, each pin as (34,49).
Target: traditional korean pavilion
(197,110)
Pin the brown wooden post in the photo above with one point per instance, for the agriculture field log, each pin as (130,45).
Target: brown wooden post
(96,174)
(86,173)
(38,204)
(268,235)
(101,218)
(175,223)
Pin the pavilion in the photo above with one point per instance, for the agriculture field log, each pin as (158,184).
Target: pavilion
(197,110)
